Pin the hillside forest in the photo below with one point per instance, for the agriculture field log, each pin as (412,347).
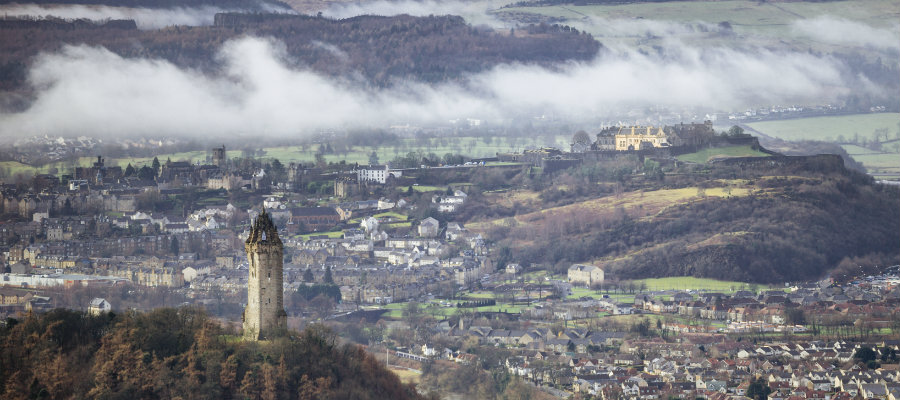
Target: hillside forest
(180,353)
(767,220)
(382,50)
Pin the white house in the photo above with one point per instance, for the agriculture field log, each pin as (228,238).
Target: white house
(585,274)
(428,227)
(369,224)
(99,306)
(377,173)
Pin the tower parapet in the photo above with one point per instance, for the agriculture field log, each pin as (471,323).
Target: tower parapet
(264,317)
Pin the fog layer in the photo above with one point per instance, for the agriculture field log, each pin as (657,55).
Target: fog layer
(86,90)
(146,18)
(840,31)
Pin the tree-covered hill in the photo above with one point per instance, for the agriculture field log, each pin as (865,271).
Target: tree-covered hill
(253,5)
(179,353)
(771,220)
(382,50)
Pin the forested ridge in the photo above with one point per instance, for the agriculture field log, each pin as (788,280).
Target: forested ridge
(234,4)
(799,219)
(382,50)
(179,353)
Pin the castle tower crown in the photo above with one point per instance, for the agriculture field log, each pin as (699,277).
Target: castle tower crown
(264,316)
(263,231)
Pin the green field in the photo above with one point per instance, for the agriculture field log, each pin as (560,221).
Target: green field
(706,155)
(333,235)
(473,147)
(672,283)
(880,163)
(407,376)
(855,150)
(830,129)
(753,22)
(469,146)
(424,188)
(391,214)
(843,129)
(692,283)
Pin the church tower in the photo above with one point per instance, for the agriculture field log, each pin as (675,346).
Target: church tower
(264,316)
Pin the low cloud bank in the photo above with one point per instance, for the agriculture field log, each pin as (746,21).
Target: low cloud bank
(838,31)
(146,18)
(475,13)
(83,90)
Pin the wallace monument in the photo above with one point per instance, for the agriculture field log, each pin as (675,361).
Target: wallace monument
(264,317)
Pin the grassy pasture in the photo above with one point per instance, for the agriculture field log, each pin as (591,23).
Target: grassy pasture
(882,162)
(407,376)
(470,146)
(636,204)
(829,128)
(761,23)
(855,150)
(841,129)
(737,12)
(692,283)
(392,214)
(335,234)
(706,155)
(424,188)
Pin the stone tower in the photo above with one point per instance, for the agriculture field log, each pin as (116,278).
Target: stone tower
(264,316)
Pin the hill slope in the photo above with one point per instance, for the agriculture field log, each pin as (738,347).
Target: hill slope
(753,219)
(179,353)
(381,49)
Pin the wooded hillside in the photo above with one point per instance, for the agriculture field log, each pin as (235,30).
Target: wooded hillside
(380,49)
(235,4)
(179,353)
(766,220)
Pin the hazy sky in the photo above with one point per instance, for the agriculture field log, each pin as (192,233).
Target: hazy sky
(88,90)
(145,18)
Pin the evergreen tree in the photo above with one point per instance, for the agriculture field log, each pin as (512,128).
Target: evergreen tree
(308,275)
(328,279)
(759,389)
(67,208)
(146,173)
(156,167)
(174,245)
(373,158)
(129,170)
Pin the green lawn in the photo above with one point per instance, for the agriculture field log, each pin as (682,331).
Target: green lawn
(832,129)
(392,214)
(474,147)
(753,22)
(882,163)
(396,309)
(855,150)
(692,283)
(500,307)
(333,235)
(480,295)
(424,188)
(579,292)
(706,155)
